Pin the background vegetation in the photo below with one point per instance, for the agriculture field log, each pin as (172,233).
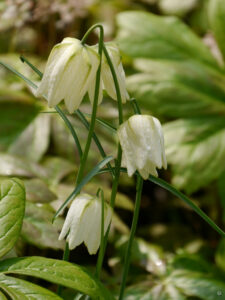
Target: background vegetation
(173,53)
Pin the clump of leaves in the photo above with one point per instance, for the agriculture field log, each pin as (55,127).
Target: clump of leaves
(179,78)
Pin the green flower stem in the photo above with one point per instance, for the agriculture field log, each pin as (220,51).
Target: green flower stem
(136,107)
(95,104)
(66,255)
(101,254)
(117,87)
(139,186)
(95,138)
(93,115)
(97,273)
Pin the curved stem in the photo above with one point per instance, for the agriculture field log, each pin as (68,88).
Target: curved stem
(117,87)
(118,160)
(95,103)
(139,186)
(90,30)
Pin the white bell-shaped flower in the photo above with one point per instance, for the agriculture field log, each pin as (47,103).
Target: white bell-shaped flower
(83,222)
(142,143)
(107,82)
(71,69)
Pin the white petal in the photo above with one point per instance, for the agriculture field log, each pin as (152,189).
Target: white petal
(107,216)
(54,71)
(93,219)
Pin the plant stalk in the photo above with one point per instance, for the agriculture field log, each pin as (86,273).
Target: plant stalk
(139,186)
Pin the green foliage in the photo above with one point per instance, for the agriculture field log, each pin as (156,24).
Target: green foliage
(55,271)
(178,77)
(12,206)
(13,123)
(216,13)
(23,290)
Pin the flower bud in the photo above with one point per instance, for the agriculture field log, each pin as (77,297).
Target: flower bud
(71,69)
(142,143)
(83,222)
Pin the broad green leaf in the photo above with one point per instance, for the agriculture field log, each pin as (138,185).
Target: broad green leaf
(19,289)
(38,229)
(34,140)
(58,272)
(176,7)
(216,12)
(146,255)
(13,123)
(196,149)
(193,263)
(178,89)
(12,165)
(62,139)
(161,291)
(201,285)
(58,168)
(146,35)
(12,207)
(37,191)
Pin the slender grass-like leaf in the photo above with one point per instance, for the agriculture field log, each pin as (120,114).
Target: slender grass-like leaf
(162,183)
(84,181)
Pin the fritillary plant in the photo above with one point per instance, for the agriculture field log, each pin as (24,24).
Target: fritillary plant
(75,70)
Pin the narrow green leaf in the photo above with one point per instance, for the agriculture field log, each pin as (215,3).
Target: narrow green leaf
(29,82)
(216,12)
(12,207)
(85,180)
(146,35)
(102,122)
(180,195)
(184,198)
(24,59)
(19,289)
(58,272)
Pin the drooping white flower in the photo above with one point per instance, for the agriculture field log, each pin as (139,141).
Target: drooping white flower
(71,69)
(83,222)
(142,143)
(107,82)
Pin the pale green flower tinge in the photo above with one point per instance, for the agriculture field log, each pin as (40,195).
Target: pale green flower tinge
(142,142)
(83,222)
(107,82)
(71,69)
